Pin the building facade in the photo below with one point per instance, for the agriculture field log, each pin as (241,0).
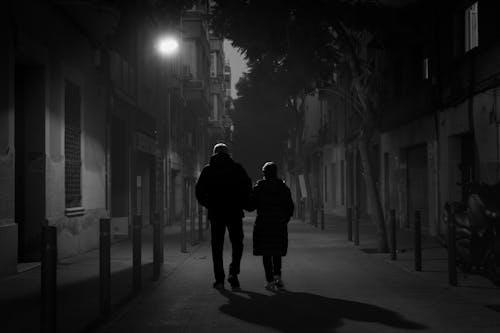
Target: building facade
(95,123)
(438,130)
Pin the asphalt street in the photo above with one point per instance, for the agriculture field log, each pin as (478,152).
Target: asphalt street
(331,286)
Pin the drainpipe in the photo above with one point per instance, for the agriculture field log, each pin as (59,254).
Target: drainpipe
(495,106)
(436,121)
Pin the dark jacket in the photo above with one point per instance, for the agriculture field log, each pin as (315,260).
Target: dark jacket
(273,201)
(223,188)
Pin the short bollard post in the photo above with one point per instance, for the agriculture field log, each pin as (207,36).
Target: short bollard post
(356,225)
(192,225)
(184,233)
(200,223)
(311,215)
(349,224)
(137,253)
(104,267)
(392,222)
(452,265)
(418,241)
(48,317)
(157,247)
(322,218)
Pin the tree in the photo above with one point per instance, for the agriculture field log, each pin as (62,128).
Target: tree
(300,43)
(260,120)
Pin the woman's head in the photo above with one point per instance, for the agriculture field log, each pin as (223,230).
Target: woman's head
(270,170)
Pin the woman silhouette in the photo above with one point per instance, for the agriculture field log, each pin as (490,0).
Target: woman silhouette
(273,201)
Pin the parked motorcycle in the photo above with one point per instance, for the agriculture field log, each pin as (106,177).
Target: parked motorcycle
(477,222)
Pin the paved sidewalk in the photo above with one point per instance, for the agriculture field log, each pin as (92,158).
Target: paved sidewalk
(434,254)
(332,286)
(78,285)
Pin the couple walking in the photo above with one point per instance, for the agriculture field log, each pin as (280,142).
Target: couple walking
(225,189)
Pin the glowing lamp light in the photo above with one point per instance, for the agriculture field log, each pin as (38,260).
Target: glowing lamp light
(167,46)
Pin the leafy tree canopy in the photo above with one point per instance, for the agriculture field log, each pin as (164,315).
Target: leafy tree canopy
(297,40)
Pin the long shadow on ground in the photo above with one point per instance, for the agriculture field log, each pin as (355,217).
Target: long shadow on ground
(288,311)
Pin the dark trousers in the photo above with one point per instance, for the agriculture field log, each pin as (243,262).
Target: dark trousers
(272,266)
(218,230)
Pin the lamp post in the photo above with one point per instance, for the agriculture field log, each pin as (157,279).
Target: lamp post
(167,46)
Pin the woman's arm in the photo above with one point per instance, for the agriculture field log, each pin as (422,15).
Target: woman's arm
(252,200)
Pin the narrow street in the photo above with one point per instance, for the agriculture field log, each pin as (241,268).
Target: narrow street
(126,126)
(331,286)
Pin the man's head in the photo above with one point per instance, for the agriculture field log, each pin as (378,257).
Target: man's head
(270,170)
(220,148)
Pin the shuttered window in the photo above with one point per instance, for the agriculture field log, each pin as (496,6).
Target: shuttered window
(72,145)
(471,27)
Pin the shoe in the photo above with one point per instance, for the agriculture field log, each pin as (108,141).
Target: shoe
(233,281)
(278,282)
(218,285)
(270,286)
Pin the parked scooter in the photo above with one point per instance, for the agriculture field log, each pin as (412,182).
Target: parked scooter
(477,224)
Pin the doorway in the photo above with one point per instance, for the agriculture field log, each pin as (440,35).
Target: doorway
(417,180)
(29,159)
(387,184)
(119,177)
(463,168)
(145,169)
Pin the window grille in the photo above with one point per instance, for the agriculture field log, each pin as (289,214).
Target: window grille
(425,68)
(72,145)
(213,64)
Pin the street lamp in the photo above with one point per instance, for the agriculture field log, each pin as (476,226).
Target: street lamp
(167,45)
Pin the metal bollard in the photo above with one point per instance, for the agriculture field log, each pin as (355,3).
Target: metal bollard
(48,315)
(136,253)
(349,224)
(392,222)
(104,267)
(200,223)
(322,218)
(418,241)
(183,233)
(311,216)
(157,247)
(452,265)
(356,225)
(192,226)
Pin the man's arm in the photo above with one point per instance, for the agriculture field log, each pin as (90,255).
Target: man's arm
(201,188)
(290,205)
(246,189)
(251,204)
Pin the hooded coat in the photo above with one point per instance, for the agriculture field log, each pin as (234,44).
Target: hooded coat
(223,188)
(274,204)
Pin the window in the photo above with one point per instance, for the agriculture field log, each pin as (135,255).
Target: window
(425,69)
(215,107)
(72,146)
(213,64)
(471,27)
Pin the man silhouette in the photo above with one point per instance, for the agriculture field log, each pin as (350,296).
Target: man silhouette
(224,189)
